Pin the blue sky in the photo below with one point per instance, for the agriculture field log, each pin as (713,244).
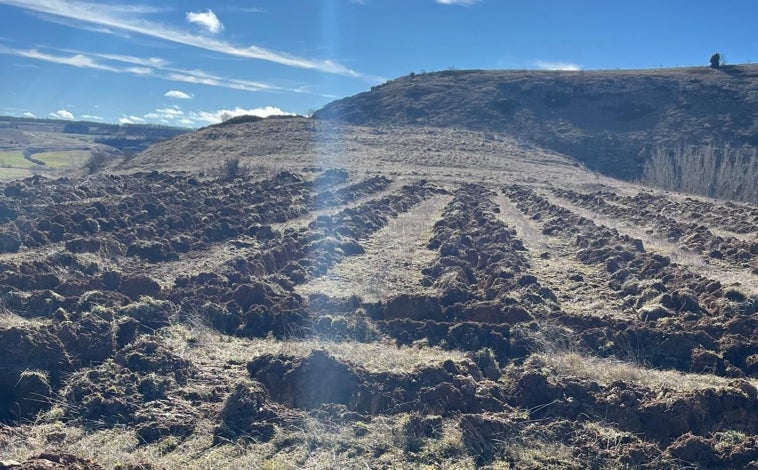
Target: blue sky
(191,63)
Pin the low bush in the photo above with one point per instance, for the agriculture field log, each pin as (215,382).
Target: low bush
(232,169)
(97,160)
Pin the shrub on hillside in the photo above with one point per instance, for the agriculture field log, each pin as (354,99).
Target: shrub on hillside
(96,161)
(715,59)
(232,169)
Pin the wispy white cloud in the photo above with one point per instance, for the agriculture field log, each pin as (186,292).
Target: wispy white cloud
(76,60)
(29,115)
(125,120)
(206,20)
(173,111)
(92,117)
(139,70)
(138,9)
(86,60)
(243,9)
(62,114)
(119,17)
(128,59)
(549,65)
(457,2)
(203,78)
(178,94)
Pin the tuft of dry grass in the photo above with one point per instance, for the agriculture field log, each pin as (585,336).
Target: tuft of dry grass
(541,454)
(10,319)
(608,370)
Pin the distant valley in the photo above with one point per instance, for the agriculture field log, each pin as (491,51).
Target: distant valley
(48,147)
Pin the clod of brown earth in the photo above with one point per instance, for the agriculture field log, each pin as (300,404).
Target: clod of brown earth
(137,388)
(52,461)
(139,286)
(319,379)
(103,396)
(158,419)
(147,355)
(695,450)
(413,308)
(33,393)
(9,242)
(248,295)
(309,383)
(151,314)
(246,414)
(31,359)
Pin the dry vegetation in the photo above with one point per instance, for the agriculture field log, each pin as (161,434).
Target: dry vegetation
(726,173)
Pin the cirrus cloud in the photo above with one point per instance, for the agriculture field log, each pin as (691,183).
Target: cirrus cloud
(115,17)
(457,2)
(93,61)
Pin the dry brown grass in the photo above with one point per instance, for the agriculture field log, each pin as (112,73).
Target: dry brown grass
(393,260)
(204,346)
(728,173)
(554,270)
(311,444)
(607,370)
(9,319)
(526,230)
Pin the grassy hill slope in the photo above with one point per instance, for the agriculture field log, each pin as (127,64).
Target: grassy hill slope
(612,121)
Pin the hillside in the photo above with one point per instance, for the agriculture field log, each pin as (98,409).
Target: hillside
(612,121)
(382,296)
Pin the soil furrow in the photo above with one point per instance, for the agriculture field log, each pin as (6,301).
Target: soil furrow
(392,260)
(577,285)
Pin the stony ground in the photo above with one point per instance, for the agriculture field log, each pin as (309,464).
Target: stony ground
(373,298)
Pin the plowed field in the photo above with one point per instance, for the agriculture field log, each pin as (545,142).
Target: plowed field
(336,318)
